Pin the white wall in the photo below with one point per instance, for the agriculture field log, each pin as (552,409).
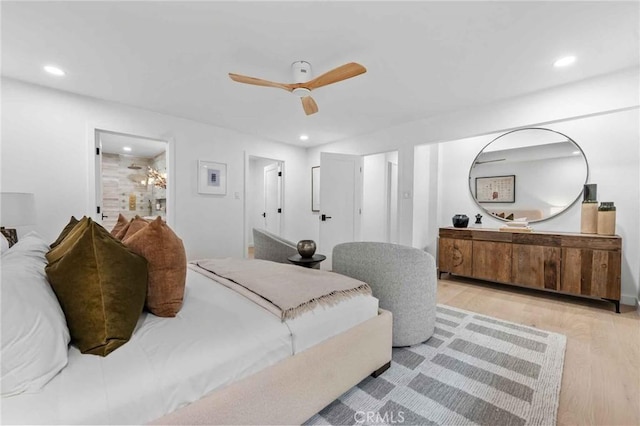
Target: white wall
(585,111)
(373,198)
(425,197)
(46,151)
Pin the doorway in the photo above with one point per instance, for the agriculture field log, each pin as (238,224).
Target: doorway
(380,197)
(358,199)
(131,177)
(264,197)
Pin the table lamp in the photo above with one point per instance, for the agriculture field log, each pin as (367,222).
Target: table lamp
(16,209)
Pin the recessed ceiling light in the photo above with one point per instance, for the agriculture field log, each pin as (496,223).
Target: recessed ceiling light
(126,148)
(54,70)
(304,137)
(576,152)
(563,62)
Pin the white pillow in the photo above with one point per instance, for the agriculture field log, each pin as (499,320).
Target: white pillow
(35,336)
(4,244)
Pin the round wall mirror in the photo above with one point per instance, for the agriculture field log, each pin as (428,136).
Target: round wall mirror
(531,174)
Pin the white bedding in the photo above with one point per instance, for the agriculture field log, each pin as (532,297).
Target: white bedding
(217,338)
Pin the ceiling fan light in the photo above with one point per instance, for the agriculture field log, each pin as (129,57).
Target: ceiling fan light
(301,92)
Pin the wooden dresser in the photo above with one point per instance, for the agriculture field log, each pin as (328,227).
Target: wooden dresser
(577,264)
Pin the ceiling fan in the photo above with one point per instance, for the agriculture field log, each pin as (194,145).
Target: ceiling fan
(303,87)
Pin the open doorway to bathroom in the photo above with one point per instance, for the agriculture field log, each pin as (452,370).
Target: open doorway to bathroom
(264,197)
(131,177)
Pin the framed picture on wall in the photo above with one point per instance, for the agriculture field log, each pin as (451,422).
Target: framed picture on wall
(496,189)
(212,178)
(315,189)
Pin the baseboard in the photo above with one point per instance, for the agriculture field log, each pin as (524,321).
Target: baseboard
(629,300)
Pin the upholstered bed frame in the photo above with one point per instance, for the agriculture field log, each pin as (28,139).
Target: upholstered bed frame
(296,388)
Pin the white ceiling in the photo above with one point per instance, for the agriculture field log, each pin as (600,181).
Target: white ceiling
(423,58)
(113,143)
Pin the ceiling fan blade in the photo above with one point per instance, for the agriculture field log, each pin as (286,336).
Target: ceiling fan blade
(343,72)
(309,105)
(259,82)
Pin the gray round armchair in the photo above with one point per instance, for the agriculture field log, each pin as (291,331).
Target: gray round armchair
(402,278)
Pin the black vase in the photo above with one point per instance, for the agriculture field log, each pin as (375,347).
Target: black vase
(460,221)
(306,248)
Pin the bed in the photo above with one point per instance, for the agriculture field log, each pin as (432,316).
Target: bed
(222,360)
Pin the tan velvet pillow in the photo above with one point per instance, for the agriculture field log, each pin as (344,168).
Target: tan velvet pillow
(121,223)
(101,286)
(167,266)
(65,231)
(123,231)
(136,224)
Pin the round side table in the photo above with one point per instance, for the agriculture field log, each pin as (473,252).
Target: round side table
(307,262)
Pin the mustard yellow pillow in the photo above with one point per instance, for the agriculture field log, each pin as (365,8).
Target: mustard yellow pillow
(65,231)
(167,266)
(101,286)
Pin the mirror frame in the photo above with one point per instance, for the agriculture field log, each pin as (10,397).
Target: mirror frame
(484,209)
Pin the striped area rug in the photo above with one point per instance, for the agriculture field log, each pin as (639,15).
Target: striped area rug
(475,369)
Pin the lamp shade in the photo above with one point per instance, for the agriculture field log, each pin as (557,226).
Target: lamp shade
(17,209)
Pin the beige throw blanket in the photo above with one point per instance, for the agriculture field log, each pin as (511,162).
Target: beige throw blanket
(285,290)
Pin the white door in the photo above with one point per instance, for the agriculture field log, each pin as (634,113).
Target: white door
(107,205)
(272,196)
(98,171)
(340,201)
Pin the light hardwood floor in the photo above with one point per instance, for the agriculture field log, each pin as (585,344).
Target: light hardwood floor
(601,376)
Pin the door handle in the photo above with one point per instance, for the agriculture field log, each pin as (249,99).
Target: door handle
(264,214)
(103,216)
(324,217)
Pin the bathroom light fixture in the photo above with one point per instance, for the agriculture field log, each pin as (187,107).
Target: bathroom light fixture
(51,69)
(304,137)
(126,148)
(157,178)
(563,62)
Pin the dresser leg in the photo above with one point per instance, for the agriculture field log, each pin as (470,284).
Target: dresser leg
(615,302)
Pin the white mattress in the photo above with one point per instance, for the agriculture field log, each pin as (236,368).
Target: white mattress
(217,338)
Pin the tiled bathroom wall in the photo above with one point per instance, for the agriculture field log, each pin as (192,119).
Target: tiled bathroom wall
(127,190)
